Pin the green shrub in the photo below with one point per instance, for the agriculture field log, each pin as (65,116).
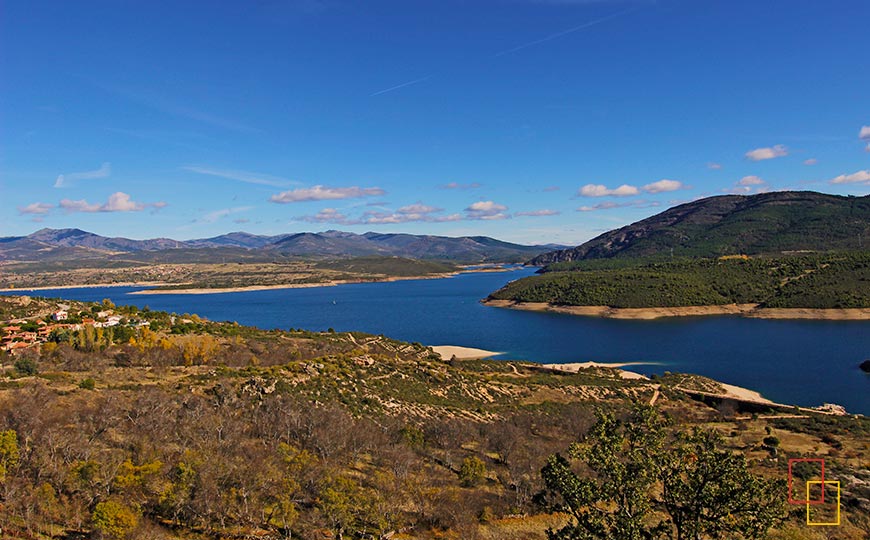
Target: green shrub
(473,470)
(26,366)
(114,520)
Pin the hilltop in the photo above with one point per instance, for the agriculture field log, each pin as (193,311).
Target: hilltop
(766,223)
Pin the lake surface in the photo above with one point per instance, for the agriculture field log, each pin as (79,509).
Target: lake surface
(802,362)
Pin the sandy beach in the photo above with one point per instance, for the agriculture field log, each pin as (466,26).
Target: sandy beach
(745,310)
(745,394)
(462,353)
(23,290)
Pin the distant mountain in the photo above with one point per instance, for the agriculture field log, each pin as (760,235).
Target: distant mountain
(734,224)
(236,239)
(54,245)
(80,238)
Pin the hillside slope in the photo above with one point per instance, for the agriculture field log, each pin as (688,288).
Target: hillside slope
(834,281)
(732,224)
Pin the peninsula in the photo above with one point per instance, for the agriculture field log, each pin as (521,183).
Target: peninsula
(785,255)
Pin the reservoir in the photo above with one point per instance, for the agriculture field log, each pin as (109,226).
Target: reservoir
(801,362)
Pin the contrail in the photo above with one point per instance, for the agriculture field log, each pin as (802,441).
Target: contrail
(409,83)
(520,47)
(564,32)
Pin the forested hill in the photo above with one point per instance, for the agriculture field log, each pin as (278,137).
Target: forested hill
(735,224)
(809,281)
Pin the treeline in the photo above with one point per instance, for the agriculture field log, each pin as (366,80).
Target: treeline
(807,281)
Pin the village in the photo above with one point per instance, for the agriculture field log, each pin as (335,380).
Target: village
(29,334)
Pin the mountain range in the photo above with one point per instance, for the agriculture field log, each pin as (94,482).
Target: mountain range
(766,223)
(75,244)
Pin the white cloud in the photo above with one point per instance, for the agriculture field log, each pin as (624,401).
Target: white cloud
(760,154)
(321,193)
(714,166)
(328,215)
(412,212)
(63,180)
(417,212)
(242,176)
(211,217)
(418,208)
(864,134)
(457,185)
(118,202)
(811,161)
(609,205)
(486,210)
(750,181)
(747,185)
(599,190)
(538,213)
(663,186)
(859,177)
(36,208)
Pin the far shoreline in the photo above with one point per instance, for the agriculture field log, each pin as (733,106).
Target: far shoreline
(743,310)
(250,288)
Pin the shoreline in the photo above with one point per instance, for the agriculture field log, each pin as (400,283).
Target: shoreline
(743,310)
(330,283)
(86,286)
(575,367)
(446,352)
(249,288)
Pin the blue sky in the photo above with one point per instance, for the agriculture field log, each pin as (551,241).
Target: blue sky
(526,120)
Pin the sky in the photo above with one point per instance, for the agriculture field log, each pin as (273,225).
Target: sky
(534,121)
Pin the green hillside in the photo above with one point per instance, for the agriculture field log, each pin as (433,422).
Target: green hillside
(819,281)
(731,224)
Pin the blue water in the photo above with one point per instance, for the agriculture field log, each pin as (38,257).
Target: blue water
(802,362)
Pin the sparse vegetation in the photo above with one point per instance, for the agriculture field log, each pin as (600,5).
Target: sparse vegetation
(205,430)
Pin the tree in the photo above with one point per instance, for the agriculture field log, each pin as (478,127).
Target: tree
(8,452)
(613,500)
(643,482)
(472,471)
(709,492)
(114,520)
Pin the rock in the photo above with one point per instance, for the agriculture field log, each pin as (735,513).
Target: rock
(865,366)
(831,408)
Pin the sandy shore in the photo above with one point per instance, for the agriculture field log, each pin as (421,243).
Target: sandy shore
(847,314)
(87,286)
(216,290)
(241,289)
(745,310)
(331,283)
(577,366)
(462,353)
(745,394)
